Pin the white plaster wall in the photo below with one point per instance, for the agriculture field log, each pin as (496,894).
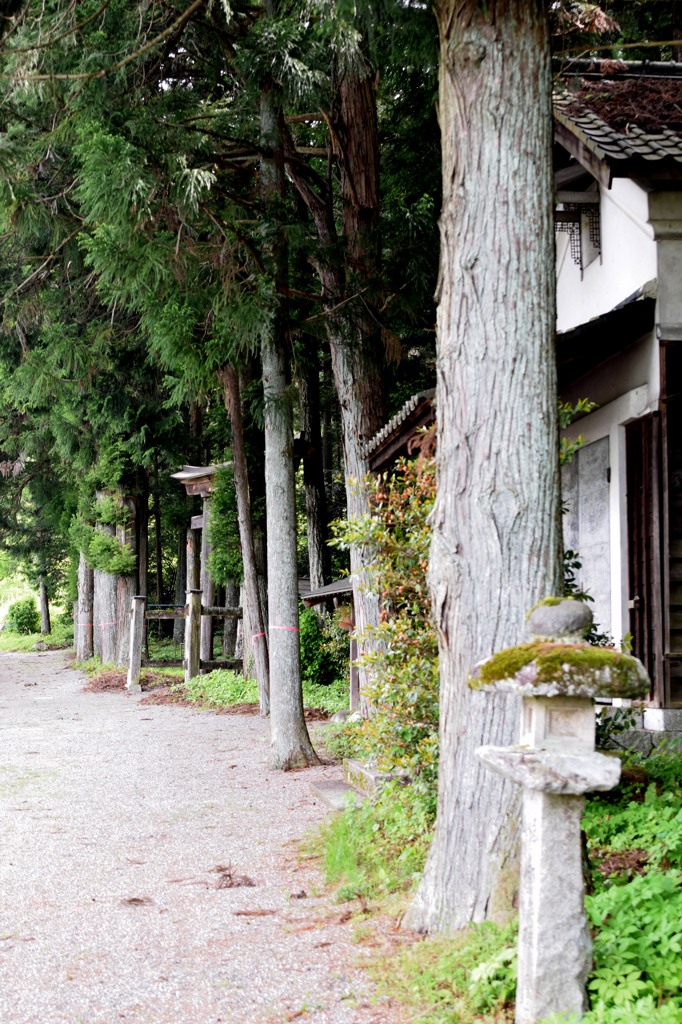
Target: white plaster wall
(637,366)
(628,258)
(609,422)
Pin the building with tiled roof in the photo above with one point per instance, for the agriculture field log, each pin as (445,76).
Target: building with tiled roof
(618,173)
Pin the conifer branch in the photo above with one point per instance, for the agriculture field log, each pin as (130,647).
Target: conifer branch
(56,39)
(27,281)
(103,72)
(578,52)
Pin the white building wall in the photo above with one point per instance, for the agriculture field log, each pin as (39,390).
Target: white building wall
(597,519)
(628,258)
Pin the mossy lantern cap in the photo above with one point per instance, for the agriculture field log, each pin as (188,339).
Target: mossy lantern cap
(558,661)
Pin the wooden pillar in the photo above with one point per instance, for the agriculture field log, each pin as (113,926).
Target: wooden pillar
(208,587)
(192,560)
(137,611)
(192,634)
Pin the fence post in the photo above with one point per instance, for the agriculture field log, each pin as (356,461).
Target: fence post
(192,634)
(137,611)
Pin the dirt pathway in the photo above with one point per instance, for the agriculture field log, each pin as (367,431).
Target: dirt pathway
(129,836)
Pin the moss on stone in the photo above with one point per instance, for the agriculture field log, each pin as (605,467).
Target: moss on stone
(547,602)
(554,661)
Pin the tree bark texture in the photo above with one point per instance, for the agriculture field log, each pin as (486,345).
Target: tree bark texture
(126,533)
(290,745)
(44,607)
(253,613)
(230,625)
(83,626)
(313,476)
(181,584)
(207,587)
(348,290)
(496,540)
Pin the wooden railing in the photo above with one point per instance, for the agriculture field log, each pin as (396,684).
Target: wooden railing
(191,613)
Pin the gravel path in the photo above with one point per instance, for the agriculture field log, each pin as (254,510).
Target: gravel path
(124,830)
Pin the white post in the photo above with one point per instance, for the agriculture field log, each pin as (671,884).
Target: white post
(192,634)
(137,611)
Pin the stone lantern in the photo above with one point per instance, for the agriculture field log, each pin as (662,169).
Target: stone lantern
(557,675)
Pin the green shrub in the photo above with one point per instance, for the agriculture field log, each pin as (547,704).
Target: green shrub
(323,658)
(402,664)
(638,944)
(23,617)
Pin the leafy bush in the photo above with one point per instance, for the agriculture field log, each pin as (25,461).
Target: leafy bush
(638,944)
(402,666)
(324,649)
(23,617)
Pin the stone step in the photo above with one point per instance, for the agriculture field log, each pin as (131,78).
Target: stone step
(336,795)
(364,777)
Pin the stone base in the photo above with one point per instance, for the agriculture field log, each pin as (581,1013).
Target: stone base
(336,795)
(364,777)
(663,720)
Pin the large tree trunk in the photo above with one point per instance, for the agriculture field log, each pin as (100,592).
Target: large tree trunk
(290,745)
(496,542)
(84,611)
(253,613)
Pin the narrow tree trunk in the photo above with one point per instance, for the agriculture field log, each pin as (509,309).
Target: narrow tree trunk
(158,549)
(354,336)
(84,611)
(105,622)
(142,536)
(230,625)
(290,745)
(496,541)
(207,587)
(253,612)
(44,607)
(180,584)
(313,475)
(126,533)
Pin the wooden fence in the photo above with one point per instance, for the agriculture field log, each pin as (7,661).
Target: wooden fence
(191,613)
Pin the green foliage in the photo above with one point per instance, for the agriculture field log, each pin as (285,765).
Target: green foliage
(403,681)
(23,617)
(102,550)
(471,977)
(638,943)
(225,561)
(324,649)
(221,688)
(635,843)
(567,413)
(612,722)
(380,846)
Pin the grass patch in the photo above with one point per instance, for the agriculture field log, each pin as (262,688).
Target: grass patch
(61,636)
(379,847)
(461,980)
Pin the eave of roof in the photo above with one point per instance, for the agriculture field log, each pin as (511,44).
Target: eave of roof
(417,411)
(654,158)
